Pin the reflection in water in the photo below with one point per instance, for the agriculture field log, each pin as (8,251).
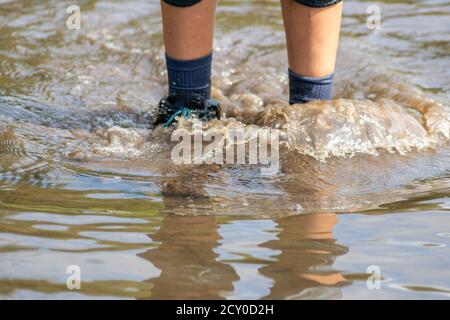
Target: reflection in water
(200,258)
(188,264)
(308,250)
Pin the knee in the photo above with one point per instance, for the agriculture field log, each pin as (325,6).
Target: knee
(182,3)
(318,3)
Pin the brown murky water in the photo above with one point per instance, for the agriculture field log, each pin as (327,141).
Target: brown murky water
(84,180)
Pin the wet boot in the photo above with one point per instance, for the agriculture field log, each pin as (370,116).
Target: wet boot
(188,106)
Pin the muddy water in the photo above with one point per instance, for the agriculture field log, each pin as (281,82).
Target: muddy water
(86,180)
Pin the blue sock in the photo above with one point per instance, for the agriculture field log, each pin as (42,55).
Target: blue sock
(190,76)
(304,89)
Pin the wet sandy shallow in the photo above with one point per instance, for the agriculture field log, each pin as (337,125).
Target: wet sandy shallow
(85,180)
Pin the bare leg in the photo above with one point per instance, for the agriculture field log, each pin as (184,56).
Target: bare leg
(312,36)
(189,31)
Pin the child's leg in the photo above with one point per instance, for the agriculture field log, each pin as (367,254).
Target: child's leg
(312,34)
(188,35)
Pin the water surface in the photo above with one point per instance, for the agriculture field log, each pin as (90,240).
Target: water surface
(86,180)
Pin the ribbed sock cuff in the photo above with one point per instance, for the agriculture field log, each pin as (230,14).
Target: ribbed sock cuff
(190,76)
(304,89)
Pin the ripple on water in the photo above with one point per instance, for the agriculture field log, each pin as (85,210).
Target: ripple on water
(73,219)
(51,227)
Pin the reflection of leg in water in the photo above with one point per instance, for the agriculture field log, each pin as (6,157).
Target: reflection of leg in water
(183,185)
(185,194)
(188,265)
(307,253)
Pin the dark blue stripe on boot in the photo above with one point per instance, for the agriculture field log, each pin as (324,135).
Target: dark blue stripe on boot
(190,76)
(304,89)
